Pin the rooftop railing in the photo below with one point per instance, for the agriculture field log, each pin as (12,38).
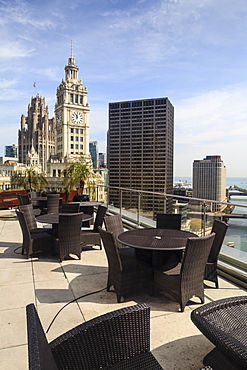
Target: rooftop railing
(139,208)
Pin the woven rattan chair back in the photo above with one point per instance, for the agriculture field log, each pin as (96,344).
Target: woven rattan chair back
(28,213)
(168,221)
(35,194)
(53,203)
(101,212)
(112,253)
(37,242)
(23,199)
(186,279)
(220,229)
(69,235)
(26,236)
(70,207)
(118,339)
(195,258)
(114,224)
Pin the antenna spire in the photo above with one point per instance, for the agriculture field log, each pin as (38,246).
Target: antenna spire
(71,49)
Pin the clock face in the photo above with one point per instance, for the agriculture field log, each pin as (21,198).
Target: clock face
(76,117)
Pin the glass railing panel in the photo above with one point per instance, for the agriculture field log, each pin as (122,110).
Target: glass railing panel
(197,215)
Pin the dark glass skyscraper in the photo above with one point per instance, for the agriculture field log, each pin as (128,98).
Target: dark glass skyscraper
(140,151)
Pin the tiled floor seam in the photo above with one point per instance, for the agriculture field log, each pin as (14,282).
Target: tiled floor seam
(19,345)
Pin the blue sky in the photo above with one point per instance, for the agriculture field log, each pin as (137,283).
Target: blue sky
(191,51)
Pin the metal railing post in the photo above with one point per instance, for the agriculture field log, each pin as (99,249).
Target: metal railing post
(204,207)
(121,201)
(139,209)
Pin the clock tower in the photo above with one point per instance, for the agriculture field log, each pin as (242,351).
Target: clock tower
(72,115)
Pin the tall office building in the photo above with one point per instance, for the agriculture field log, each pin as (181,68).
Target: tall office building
(11,151)
(93,149)
(140,151)
(102,160)
(36,139)
(209,180)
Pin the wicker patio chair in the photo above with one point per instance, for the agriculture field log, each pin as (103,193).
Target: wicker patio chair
(219,228)
(126,275)
(23,199)
(53,203)
(186,279)
(224,323)
(30,219)
(114,224)
(36,242)
(68,239)
(70,207)
(92,237)
(168,221)
(35,203)
(116,340)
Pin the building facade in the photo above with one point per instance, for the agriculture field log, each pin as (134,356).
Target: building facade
(94,152)
(11,151)
(140,151)
(36,138)
(209,180)
(102,160)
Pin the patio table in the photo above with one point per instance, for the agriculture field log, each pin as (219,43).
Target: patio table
(155,240)
(53,218)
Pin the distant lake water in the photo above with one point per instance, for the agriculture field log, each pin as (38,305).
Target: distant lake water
(237,229)
(241,182)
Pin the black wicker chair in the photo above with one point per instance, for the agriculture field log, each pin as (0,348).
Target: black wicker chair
(186,279)
(23,199)
(68,238)
(126,275)
(30,219)
(168,221)
(114,224)
(92,237)
(36,203)
(224,323)
(73,207)
(35,242)
(53,203)
(116,340)
(219,228)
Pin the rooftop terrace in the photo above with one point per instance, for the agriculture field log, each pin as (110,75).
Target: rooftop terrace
(175,341)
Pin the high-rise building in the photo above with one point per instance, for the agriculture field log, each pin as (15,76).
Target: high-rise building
(11,151)
(209,180)
(140,151)
(36,137)
(72,115)
(93,149)
(102,160)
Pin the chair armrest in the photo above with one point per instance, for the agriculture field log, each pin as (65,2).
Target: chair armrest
(224,323)
(105,340)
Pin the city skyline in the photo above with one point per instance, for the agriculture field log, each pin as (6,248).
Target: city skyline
(192,53)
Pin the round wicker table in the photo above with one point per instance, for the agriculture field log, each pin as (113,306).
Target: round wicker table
(155,240)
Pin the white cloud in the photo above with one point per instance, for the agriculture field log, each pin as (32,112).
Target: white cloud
(213,123)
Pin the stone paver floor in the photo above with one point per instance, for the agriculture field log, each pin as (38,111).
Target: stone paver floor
(175,341)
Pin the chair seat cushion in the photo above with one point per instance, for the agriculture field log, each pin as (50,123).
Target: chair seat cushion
(126,253)
(40,230)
